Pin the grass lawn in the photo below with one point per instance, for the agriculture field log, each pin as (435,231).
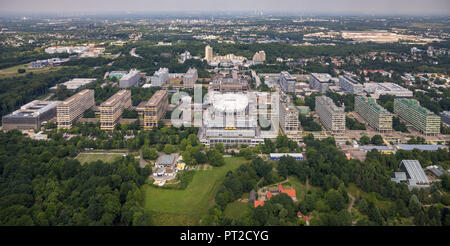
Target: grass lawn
(236,209)
(91,157)
(186,207)
(300,188)
(12,71)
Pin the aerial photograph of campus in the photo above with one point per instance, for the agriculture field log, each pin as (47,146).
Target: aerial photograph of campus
(225,113)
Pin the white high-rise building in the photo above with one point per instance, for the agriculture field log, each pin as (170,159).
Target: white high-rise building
(208,53)
(319,81)
(130,79)
(350,85)
(190,78)
(160,77)
(287,82)
(289,119)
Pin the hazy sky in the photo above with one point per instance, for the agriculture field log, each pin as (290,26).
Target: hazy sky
(415,7)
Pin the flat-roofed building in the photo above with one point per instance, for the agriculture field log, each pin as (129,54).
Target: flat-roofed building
(154,110)
(375,115)
(350,85)
(289,119)
(190,78)
(30,115)
(73,108)
(112,109)
(320,82)
(117,74)
(130,79)
(331,116)
(287,82)
(75,83)
(378,89)
(421,118)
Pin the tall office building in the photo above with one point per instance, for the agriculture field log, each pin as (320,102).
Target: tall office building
(289,119)
(421,118)
(190,78)
(154,110)
(73,108)
(287,82)
(160,77)
(112,109)
(208,53)
(350,85)
(130,79)
(375,115)
(319,81)
(332,117)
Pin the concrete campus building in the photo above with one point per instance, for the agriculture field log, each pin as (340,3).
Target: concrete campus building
(160,77)
(350,85)
(73,108)
(230,119)
(375,115)
(190,78)
(30,115)
(289,119)
(112,109)
(152,111)
(130,79)
(208,53)
(332,117)
(319,81)
(259,57)
(421,118)
(75,83)
(287,82)
(386,88)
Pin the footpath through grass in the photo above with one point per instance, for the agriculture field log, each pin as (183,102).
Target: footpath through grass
(188,206)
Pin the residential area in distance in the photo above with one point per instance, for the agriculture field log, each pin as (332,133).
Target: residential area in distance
(255,119)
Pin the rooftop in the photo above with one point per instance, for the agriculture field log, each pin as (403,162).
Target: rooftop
(166,160)
(114,99)
(156,98)
(415,171)
(321,77)
(34,108)
(75,97)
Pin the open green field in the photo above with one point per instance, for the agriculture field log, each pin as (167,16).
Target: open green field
(12,71)
(300,188)
(236,209)
(91,157)
(186,207)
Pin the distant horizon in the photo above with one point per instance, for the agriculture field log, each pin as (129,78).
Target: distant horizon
(184,14)
(304,7)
